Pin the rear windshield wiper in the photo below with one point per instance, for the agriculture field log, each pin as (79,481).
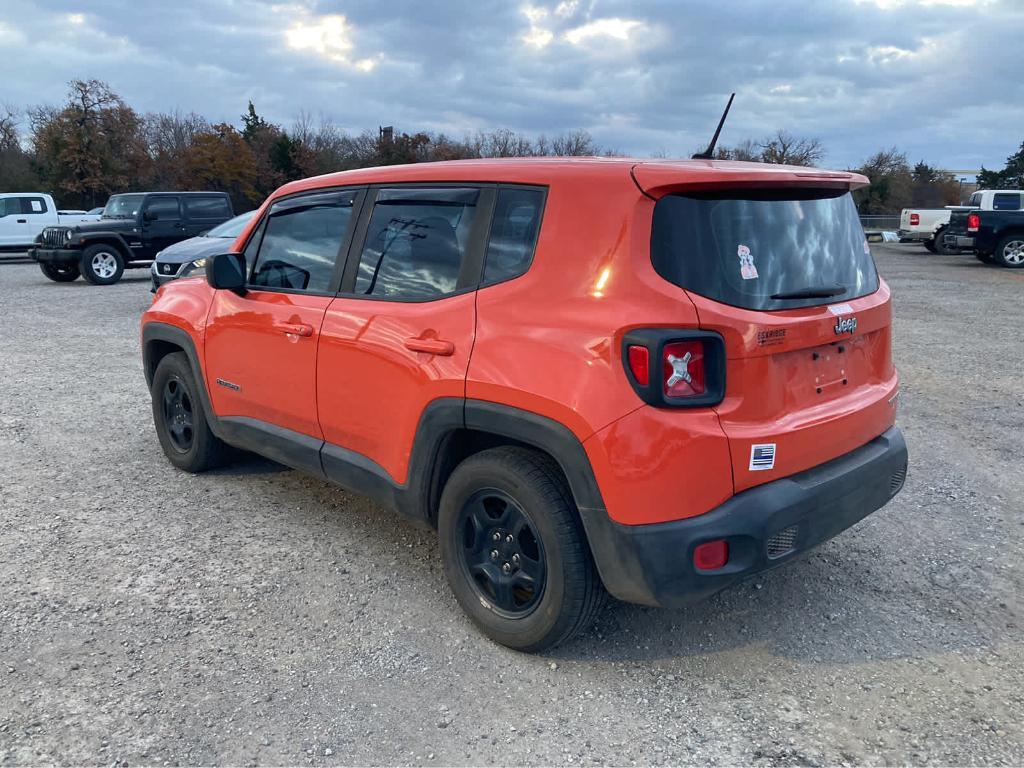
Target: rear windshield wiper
(814,292)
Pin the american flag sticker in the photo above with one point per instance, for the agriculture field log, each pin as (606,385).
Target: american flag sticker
(762,456)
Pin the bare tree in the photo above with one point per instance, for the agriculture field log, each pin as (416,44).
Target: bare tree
(786,149)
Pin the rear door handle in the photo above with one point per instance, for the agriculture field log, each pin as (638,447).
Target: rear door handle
(295,329)
(23,221)
(430,346)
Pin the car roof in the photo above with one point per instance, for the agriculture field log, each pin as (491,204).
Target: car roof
(547,170)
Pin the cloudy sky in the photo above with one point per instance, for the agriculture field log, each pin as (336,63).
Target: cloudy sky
(940,79)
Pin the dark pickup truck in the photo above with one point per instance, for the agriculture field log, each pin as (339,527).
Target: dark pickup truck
(997,237)
(133,228)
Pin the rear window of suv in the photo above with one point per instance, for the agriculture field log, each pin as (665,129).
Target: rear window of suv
(761,249)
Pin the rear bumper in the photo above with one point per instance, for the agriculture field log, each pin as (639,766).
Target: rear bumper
(54,255)
(765,527)
(959,241)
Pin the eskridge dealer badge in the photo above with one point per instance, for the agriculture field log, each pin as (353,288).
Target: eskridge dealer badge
(747,269)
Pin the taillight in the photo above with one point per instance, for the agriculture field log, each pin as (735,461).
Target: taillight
(668,368)
(640,364)
(682,368)
(973,222)
(915,219)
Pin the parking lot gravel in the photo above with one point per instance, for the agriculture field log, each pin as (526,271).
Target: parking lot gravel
(258,616)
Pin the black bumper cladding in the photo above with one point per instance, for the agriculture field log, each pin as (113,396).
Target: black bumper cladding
(54,255)
(765,527)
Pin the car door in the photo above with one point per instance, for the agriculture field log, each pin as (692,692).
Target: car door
(10,212)
(261,346)
(162,225)
(23,218)
(400,333)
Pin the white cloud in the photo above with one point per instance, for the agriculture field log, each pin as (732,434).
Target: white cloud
(328,36)
(615,29)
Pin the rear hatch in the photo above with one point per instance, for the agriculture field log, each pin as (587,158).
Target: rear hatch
(785,275)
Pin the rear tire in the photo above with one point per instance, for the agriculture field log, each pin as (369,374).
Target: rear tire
(929,245)
(102,264)
(180,420)
(1010,252)
(60,273)
(940,247)
(514,551)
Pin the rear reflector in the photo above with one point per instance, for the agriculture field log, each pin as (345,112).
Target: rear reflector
(973,222)
(915,219)
(711,555)
(640,364)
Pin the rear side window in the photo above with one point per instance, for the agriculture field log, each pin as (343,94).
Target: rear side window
(761,249)
(163,207)
(206,208)
(1005,202)
(300,242)
(33,205)
(975,200)
(19,206)
(415,242)
(517,215)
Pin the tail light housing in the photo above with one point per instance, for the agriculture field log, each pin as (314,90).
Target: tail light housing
(915,219)
(675,368)
(973,222)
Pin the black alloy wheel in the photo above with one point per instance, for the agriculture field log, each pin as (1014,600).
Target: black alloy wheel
(502,553)
(178,413)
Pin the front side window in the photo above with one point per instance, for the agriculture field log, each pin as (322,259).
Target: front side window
(162,208)
(300,242)
(32,205)
(415,242)
(123,206)
(764,249)
(514,230)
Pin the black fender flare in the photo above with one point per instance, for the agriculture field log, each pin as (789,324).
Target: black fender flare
(110,237)
(155,332)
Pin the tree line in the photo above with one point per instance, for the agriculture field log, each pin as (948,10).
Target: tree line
(95,145)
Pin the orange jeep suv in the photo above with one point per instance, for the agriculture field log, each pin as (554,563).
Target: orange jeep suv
(644,378)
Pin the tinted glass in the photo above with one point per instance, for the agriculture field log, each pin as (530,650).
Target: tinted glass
(33,205)
(1006,202)
(415,242)
(232,228)
(975,200)
(206,207)
(744,248)
(163,207)
(301,240)
(514,229)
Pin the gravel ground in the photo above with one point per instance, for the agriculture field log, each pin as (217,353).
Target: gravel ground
(258,616)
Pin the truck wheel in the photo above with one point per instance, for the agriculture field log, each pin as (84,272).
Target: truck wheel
(1010,252)
(984,258)
(929,245)
(940,247)
(60,273)
(102,264)
(179,418)
(513,550)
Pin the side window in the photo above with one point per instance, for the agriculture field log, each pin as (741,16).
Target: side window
(301,240)
(163,208)
(10,206)
(1005,201)
(253,246)
(206,207)
(517,214)
(415,242)
(32,205)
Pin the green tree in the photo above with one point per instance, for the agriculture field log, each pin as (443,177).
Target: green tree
(220,159)
(1011,177)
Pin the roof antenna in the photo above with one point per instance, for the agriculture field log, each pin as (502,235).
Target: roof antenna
(708,153)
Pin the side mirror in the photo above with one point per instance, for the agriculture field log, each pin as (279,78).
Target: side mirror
(226,271)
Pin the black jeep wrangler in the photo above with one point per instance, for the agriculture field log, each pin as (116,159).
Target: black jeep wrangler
(132,230)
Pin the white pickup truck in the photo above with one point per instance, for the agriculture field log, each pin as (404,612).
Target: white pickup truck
(23,215)
(928,225)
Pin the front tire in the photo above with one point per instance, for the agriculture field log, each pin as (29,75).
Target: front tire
(102,264)
(180,420)
(514,552)
(60,273)
(1010,252)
